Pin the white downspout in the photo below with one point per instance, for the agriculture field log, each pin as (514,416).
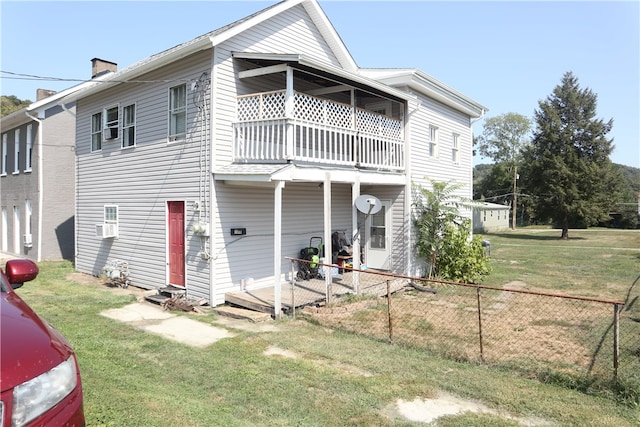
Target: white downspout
(213,201)
(40,183)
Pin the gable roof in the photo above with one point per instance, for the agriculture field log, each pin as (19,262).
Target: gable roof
(25,114)
(412,78)
(224,33)
(421,82)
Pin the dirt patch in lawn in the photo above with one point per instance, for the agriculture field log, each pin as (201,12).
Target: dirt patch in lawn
(87,279)
(445,404)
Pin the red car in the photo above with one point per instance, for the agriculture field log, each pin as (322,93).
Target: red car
(39,376)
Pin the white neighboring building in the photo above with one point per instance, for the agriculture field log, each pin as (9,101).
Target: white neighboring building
(491,218)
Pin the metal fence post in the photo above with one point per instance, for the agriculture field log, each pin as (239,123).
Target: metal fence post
(293,291)
(480,323)
(616,340)
(389,310)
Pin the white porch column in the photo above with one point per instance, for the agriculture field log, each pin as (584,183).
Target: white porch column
(277,248)
(288,114)
(355,238)
(328,250)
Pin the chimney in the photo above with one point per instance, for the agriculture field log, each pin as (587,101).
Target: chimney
(100,66)
(44,93)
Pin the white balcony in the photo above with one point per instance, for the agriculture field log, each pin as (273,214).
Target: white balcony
(307,129)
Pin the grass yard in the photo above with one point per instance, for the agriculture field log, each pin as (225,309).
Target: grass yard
(329,377)
(598,263)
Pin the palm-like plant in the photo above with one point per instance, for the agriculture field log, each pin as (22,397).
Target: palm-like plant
(435,209)
(444,237)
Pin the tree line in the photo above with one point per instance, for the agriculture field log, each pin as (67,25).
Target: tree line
(555,169)
(11,103)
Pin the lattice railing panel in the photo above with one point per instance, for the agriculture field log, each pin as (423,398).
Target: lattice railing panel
(376,124)
(263,106)
(323,132)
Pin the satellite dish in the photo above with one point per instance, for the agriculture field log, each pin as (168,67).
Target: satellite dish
(367,204)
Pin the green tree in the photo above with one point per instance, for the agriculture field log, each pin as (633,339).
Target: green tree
(10,104)
(567,166)
(503,140)
(444,237)
(495,185)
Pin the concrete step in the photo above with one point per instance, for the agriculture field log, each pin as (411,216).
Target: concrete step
(242,313)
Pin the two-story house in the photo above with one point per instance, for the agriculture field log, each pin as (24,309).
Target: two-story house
(37,176)
(206,165)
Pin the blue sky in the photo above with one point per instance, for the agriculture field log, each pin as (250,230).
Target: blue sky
(506,55)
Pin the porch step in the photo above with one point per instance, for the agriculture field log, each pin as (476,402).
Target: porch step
(157,298)
(164,294)
(241,313)
(172,291)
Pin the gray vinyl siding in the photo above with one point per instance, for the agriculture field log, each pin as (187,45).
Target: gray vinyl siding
(442,167)
(141,179)
(251,256)
(290,32)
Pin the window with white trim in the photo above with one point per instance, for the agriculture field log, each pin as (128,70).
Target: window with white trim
(111,221)
(4,227)
(129,126)
(28,213)
(111,117)
(177,112)
(433,141)
(5,155)
(96,132)
(16,230)
(455,151)
(16,153)
(29,150)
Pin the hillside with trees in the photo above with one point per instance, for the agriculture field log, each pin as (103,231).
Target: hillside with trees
(11,103)
(492,184)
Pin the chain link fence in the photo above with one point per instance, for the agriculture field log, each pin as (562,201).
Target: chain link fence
(528,331)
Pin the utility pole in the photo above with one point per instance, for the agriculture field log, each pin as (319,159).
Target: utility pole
(514,199)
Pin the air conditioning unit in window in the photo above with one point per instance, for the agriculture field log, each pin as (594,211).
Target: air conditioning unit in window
(27,240)
(106,230)
(111,133)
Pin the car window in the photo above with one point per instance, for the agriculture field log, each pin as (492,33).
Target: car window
(4,286)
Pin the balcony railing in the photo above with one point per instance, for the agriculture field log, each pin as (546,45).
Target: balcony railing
(315,131)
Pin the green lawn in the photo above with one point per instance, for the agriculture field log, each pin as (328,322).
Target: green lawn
(133,378)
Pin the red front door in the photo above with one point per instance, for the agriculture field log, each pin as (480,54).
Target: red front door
(176,243)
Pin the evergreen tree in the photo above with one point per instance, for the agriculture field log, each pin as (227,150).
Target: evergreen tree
(567,167)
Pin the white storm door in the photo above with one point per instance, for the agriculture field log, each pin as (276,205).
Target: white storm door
(377,235)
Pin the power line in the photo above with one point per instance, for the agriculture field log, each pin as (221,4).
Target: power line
(21,76)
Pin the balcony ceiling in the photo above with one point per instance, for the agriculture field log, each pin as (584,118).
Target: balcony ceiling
(325,75)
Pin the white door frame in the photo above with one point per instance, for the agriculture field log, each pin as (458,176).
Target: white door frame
(378,247)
